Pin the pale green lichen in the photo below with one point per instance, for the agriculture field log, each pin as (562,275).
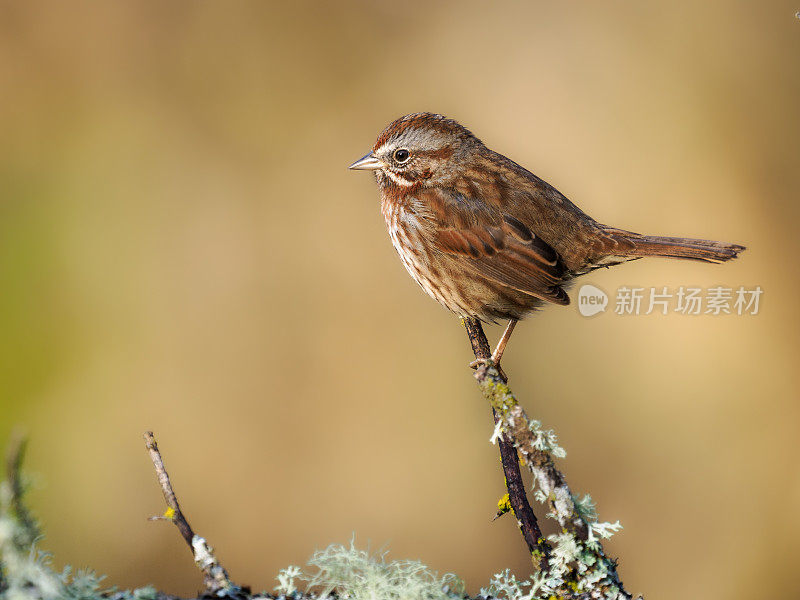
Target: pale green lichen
(286,580)
(506,586)
(358,575)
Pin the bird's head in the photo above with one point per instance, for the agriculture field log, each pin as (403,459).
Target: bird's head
(421,149)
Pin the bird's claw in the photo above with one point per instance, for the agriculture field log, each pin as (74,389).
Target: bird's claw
(487,362)
(478,362)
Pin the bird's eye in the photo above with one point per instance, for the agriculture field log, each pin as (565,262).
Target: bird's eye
(401,155)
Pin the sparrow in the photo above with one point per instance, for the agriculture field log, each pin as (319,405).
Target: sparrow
(487,238)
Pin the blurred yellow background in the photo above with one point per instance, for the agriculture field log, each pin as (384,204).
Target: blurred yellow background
(182,248)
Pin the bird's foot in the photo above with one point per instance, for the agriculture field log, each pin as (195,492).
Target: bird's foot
(487,362)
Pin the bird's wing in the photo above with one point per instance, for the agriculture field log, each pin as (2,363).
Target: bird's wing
(494,245)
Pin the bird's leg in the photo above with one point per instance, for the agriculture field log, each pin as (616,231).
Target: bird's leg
(501,347)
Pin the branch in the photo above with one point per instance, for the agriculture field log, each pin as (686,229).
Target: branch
(517,498)
(577,565)
(215,576)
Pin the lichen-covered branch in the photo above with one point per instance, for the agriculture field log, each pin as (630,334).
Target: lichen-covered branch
(517,498)
(216,578)
(577,566)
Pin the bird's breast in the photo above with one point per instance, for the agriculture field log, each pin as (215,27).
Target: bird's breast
(409,230)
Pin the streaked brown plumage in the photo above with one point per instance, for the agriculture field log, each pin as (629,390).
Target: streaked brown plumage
(486,238)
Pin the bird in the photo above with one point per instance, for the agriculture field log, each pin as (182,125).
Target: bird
(485,237)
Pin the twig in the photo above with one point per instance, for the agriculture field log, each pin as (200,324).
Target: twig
(173,513)
(216,578)
(14,457)
(518,499)
(591,568)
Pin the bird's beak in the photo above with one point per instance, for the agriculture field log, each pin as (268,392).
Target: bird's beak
(367,162)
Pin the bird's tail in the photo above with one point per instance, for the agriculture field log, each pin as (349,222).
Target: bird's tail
(636,245)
